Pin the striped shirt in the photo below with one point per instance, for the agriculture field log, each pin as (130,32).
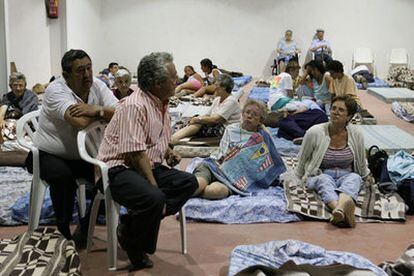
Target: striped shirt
(338,159)
(140,123)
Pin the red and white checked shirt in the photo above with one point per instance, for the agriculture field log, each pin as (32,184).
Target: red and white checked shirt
(140,123)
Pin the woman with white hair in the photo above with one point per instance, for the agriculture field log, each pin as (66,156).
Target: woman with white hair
(225,110)
(122,84)
(18,101)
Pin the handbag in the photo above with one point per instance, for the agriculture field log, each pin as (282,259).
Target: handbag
(377,164)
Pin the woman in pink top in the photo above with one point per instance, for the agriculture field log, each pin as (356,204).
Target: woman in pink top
(193,82)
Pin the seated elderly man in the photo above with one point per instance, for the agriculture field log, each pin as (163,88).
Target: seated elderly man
(135,144)
(321,47)
(122,84)
(71,102)
(19,101)
(247,160)
(225,110)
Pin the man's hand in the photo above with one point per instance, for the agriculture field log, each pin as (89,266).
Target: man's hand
(172,158)
(79,110)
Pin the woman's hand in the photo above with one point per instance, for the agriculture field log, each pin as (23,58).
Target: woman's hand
(370,180)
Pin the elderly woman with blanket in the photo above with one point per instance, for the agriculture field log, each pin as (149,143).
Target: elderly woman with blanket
(247,160)
(332,161)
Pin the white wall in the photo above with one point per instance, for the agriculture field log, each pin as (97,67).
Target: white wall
(83,27)
(238,35)
(29,39)
(241,34)
(3,52)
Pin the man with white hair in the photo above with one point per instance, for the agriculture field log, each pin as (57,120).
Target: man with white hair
(321,47)
(135,144)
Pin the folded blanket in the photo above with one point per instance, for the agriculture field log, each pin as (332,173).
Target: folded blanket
(42,252)
(276,253)
(251,167)
(371,204)
(404,110)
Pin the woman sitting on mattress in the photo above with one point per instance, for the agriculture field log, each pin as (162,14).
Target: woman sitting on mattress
(211,73)
(224,110)
(315,85)
(245,147)
(192,82)
(332,161)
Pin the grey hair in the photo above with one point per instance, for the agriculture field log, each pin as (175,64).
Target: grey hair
(261,105)
(225,81)
(152,69)
(16,76)
(123,73)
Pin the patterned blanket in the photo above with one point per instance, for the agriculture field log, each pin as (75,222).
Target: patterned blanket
(404,110)
(43,252)
(372,205)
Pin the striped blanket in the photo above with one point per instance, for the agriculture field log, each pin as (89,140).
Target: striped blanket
(371,206)
(42,252)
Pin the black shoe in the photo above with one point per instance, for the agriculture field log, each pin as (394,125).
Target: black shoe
(80,238)
(139,260)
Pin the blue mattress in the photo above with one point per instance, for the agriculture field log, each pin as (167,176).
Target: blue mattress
(387,137)
(377,83)
(260,93)
(389,95)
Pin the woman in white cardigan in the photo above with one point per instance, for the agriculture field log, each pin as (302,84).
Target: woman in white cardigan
(332,161)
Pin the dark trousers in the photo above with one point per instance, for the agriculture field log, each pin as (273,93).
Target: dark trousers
(145,202)
(323,57)
(295,126)
(61,175)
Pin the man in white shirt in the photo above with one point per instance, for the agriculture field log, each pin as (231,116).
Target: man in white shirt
(71,103)
(321,47)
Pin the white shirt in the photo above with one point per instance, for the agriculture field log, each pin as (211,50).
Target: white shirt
(229,109)
(54,134)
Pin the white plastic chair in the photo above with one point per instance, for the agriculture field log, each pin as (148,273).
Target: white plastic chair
(363,56)
(399,56)
(89,140)
(27,126)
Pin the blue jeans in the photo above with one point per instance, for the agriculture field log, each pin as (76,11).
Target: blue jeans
(334,181)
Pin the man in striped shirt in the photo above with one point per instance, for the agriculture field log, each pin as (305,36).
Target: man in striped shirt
(135,144)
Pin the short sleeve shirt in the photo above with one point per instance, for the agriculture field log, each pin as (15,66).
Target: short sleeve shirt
(229,109)
(55,135)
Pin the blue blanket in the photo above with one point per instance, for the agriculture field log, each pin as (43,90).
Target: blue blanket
(400,166)
(267,205)
(260,93)
(251,167)
(275,253)
(377,83)
(241,81)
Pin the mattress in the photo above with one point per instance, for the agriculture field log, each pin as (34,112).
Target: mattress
(389,95)
(387,137)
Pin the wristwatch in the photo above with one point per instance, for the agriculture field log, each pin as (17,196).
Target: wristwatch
(100,112)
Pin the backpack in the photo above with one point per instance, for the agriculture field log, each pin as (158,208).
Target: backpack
(377,164)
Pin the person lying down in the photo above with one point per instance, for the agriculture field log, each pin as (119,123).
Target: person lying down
(247,160)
